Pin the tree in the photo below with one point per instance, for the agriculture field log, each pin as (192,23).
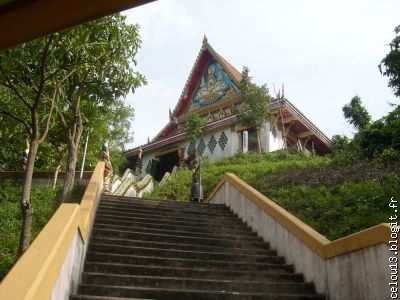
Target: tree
(390,64)
(103,51)
(194,128)
(29,96)
(356,114)
(255,105)
(91,63)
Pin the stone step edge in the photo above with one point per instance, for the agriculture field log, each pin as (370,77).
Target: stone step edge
(188,251)
(206,207)
(294,283)
(205,222)
(142,200)
(109,220)
(247,240)
(177,215)
(245,235)
(287,268)
(188,245)
(172,259)
(198,291)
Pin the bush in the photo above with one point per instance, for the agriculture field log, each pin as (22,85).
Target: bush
(45,202)
(348,204)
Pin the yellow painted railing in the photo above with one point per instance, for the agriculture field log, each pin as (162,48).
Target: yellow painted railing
(325,248)
(36,272)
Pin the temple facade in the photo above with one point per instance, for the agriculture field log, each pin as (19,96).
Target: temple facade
(212,92)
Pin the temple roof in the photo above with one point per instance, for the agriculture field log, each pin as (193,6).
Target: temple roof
(283,112)
(206,54)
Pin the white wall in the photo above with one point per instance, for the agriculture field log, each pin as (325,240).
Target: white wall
(269,143)
(358,275)
(231,148)
(272,143)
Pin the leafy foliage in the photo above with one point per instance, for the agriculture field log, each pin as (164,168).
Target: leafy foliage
(194,128)
(306,187)
(356,114)
(45,201)
(254,108)
(391,63)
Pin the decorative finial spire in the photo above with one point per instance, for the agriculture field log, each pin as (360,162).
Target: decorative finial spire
(170,114)
(148,140)
(205,41)
(283,90)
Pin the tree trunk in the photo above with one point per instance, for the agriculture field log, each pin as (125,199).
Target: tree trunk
(26,206)
(258,141)
(69,173)
(56,176)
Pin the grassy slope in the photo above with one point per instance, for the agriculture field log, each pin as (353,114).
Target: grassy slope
(333,198)
(44,200)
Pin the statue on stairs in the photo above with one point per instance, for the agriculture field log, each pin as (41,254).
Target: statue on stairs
(196,194)
(138,165)
(108,171)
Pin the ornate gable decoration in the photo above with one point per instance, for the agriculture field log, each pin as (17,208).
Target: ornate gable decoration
(214,85)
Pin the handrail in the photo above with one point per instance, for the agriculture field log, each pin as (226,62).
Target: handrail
(379,234)
(36,272)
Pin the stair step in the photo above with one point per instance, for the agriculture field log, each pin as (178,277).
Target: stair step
(246,235)
(192,272)
(197,284)
(180,226)
(268,262)
(133,235)
(179,246)
(162,203)
(92,297)
(166,209)
(162,249)
(170,216)
(171,221)
(114,249)
(169,293)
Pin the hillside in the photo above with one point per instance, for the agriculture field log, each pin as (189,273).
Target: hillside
(335,197)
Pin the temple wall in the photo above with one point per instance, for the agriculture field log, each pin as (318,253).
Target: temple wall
(273,142)
(220,143)
(147,157)
(224,147)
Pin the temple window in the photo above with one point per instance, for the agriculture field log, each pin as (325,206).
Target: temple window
(223,140)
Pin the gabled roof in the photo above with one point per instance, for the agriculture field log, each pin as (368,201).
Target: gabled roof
(205,54)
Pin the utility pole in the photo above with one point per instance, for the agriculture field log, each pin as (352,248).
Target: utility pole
(84,156)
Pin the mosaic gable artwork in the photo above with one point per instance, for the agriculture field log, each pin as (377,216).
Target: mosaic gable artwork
(214,85)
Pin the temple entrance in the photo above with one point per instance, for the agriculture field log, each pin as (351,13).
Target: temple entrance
(165,163)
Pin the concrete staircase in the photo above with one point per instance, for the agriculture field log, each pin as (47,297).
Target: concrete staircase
(154,249)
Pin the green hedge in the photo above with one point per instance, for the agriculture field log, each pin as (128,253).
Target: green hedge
(45,202)
(335,209)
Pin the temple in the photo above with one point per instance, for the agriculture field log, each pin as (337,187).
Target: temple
(212,92)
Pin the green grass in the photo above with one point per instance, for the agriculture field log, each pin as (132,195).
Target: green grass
(334,199)
(45,202)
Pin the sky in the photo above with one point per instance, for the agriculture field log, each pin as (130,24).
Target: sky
(324,52)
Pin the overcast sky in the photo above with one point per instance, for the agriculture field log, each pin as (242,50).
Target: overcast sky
(324,52)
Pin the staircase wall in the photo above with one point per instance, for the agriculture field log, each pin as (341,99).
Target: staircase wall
(354,267)
(52,265)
